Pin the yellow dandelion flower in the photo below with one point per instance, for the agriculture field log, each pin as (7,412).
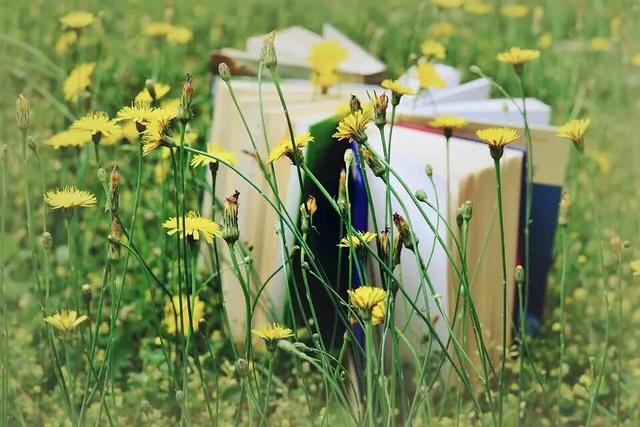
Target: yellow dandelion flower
(448,4)
(195,226)
(497,137)
(78,81)
(433,49)
(271,334)
(160,90)
(324,79)
(98,123)
(442,30)
(365,298)
(66,321)
(140,112)
(200,160)
(429,77)
(69,198)
(130,131)
(635,267)
(574,131)
(157,29)
(113,139)
(327,55)
(600,44)
(545,41)
(156,130)
(353,126)
(356,240)
(179,35)
(477,8)
(448,124)
(285,148)
(517,56)
(515,11)
(69,138)
(77,20)
(181,314)
(65,42)
(379,313)
(396,88)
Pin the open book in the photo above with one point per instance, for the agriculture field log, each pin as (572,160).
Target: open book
(414,145)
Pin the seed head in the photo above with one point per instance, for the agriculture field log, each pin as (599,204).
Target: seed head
(224,72)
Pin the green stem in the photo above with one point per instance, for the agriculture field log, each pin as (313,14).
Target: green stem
(563,276)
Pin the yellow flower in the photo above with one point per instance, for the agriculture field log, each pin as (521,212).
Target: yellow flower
(366,298)
(202,160)
(497,137)
(160,90)
(179,35)
(545,40)
(163,167)
(600,44)
(327,55)
(98,123)
(65,41)
(431,48)
(635,267)
(66,321)
(354,125)
(77,20)
(78,81)
(69,198)
(285,148)
(442,30)
(355,242)
(516,11)
(603,162)
(635,60)
(448,4)
(517,56)
(448,123)
(379,313)
(181,314)
(195,226)
(69,138)
(429,77)
(140,112)
(158,29)
(574,131)
(271,334)
(156,130)
(324,79)
(396,87)
(113,139)
(477,8)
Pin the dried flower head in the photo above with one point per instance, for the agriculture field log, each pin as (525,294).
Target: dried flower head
(181,314)
(69,198)
(66,321)
(380,104)
(574,131)
(366,298)
(273,333)
(78,81)
(291,150)
(195,225)
(354,126)
(77,20)
(268,53)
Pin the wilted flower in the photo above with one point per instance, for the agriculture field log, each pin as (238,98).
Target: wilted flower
(77,20)
(181,312)
(380,104)
(195,226)
(78,81)
(66,321)
(565,210)
(405,235)
(69,198)
(286,148)
(23,113)
(366,298)
(574,131)
(271,334)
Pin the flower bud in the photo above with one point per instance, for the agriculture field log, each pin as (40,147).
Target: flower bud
(203,328)
(23,113)
(565,210)
(519,274)
(406,235)
(4,152)
(428,170)
(184,112)
(46,240)
(102,175)
(348,157)
(384,244)
(397,251)
(86,295)
(114,252)
(342,192)
(32,144)
(242,368)
(268,54)
(145,407)
(376,166)
(307,210)
(180,397)
(224,72)
(467,210)
(380,104)
(114,190)
(230,232)
(421,195)
(150,85)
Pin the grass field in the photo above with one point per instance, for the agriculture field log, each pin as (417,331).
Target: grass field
(131,361)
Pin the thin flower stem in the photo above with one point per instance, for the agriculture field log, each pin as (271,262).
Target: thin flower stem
(270,359)
(563,277)
(370,356)
(503,362)
(596,391)
(4,348)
